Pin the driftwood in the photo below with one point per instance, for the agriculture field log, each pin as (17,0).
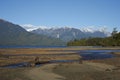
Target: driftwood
(80,61)
(37,61)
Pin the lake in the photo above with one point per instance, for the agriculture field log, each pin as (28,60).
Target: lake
(96,54)
(32,46)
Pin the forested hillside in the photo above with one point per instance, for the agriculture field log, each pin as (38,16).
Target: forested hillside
(113,40)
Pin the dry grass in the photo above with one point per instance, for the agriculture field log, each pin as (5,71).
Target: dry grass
(49,50)
(19,59)
(32,51)
(12,56)
(5,57)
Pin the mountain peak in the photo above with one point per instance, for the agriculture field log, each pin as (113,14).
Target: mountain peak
(87,30)
(68,33)
(29,27)
(12,34)
(2,20)
(90,29)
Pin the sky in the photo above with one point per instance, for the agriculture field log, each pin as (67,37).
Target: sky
(60,13)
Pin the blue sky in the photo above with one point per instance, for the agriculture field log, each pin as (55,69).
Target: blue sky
(73,13)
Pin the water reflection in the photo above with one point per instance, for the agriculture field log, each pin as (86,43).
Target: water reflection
(96,54)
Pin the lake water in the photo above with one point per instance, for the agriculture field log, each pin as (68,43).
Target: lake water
(16,65)
(32,46)
(96,54)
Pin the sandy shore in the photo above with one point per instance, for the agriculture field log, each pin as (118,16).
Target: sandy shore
(43,73)
(72,71)
(86,71)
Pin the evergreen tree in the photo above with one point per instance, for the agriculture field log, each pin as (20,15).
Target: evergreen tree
(114,31)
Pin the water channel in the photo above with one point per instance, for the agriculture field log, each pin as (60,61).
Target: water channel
(86,55)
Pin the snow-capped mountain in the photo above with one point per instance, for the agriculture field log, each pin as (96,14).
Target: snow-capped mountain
(94,29)
(68,33)
(13,34)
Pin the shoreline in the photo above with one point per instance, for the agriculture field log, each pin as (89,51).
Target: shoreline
(43,50)
(18,55)
(105,69)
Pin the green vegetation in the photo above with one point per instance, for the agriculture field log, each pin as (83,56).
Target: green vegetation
(113,40)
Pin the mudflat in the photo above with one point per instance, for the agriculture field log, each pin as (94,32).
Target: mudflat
(104,69)
(72,71)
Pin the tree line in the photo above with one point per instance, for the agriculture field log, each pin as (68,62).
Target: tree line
(113,40)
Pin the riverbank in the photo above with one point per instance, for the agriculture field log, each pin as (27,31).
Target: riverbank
(50,50)
(104,69)
(19,55)
(72,71)
(115,61)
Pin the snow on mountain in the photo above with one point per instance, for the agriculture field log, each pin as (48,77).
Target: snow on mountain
(93,29)
(87,30)
(30,27)
(68,33)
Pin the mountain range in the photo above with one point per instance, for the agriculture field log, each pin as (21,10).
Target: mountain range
(67,34)
(12,34)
